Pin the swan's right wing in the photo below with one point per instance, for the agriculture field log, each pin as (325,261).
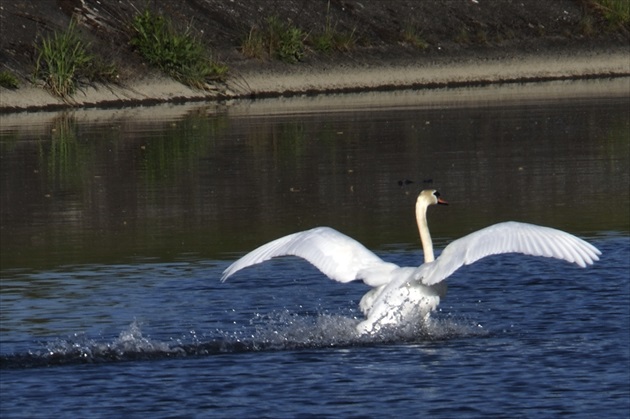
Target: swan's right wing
(508,237)
(336,255)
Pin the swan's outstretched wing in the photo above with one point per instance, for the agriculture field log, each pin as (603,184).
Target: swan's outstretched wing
(508,237)
(338,256)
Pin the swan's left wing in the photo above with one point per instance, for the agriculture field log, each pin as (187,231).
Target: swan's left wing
(336,255)
(508,237)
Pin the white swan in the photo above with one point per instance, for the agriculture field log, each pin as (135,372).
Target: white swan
(400,295)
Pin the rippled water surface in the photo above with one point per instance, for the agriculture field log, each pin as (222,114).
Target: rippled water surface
(116,226)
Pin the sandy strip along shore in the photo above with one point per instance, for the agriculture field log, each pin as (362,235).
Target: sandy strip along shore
(317,78)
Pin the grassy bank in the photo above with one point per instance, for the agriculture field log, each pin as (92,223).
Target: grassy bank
(203,43)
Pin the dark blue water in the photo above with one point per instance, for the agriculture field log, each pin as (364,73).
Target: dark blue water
(516,336)
(115,227)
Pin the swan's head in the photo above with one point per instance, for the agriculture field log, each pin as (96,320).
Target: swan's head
(430,197)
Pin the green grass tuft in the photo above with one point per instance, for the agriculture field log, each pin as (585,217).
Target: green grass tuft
(332,39)
(278,39)
(179,55)
(616,12)
(285,40)
(413,36)
(61,60)
(8,80)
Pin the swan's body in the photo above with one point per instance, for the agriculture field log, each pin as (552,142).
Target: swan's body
(403,294)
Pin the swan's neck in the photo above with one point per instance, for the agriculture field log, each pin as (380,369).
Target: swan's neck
(425,236)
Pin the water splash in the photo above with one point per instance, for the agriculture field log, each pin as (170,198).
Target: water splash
(79,349)
(277,331)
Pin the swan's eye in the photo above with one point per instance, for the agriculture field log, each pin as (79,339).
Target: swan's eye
(436,194)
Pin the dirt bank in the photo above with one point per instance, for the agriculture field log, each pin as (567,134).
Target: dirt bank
(464,42)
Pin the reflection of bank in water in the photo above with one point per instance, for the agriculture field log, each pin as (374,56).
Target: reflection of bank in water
(172,180)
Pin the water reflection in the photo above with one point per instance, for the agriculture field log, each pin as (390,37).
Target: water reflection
(107,186)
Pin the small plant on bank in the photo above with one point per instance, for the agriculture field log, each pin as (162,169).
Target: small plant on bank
(332,39)
(412,35)
(62,59)
(254,44)
(616,12)
(179,55)
(286,41)
(277,39)
(8,80)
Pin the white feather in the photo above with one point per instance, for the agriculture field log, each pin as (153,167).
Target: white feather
(508,237)
(336,255)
